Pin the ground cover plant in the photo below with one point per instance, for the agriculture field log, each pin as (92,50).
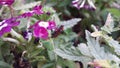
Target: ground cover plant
(59,34)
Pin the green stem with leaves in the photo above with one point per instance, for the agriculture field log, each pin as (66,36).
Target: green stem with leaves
(53,46)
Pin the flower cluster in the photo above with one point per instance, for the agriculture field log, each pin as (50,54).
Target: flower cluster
(40,28)
(84,4)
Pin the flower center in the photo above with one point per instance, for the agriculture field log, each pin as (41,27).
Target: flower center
(43,24)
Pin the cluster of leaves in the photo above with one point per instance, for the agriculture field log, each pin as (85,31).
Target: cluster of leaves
(94,49)
(64,47)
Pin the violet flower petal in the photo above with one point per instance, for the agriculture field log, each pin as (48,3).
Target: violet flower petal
(6,2)
(5,30)
(52,25)
(38,10)
(40,32)
(27,14)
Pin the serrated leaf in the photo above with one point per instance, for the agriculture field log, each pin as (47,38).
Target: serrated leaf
(97,51)
(70,23)
(92,44)
(48,8)
(84,49)
(113,43)
(109,24)
(86,53)
(72,54)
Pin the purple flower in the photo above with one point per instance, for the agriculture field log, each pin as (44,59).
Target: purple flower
(40,29)
(38,10)
(27,34)
(83,4)
(6,2)
(40,32)
(52,25)
(6,25)
(48,13)
(27,14)
(48,25)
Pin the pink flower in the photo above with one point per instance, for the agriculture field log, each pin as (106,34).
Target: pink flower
(52,25)
(38,10)
(40,29)
(6,2)
(40,32)
(6,25)
(27,14)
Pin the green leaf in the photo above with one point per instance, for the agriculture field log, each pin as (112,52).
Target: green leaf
(35,52)
(4,65)
(115,12)
(86,52)
(109,24)
(112,43)
(51,55)
(48,8)
(23,23)
(63,63)
(48,65)
(55,17)
(84,49)
(72,54)
(38,58)
(97,51)
(70,23)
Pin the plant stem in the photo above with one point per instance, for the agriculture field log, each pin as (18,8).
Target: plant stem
(54,52)
(11,40)
(11,11)
(17,35)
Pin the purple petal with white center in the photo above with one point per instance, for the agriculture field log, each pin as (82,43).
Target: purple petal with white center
(40,32)
(6,25)
(12,22)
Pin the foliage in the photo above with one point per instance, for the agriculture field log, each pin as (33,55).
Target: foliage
(83,33)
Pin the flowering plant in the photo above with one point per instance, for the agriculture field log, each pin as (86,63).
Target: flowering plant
(59,34)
